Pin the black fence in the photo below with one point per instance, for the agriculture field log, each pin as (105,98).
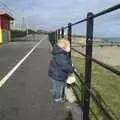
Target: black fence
(86,80)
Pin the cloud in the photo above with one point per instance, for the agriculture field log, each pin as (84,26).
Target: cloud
(53,14)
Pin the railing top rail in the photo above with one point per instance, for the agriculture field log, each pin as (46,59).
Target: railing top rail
(76,23)
(116,7)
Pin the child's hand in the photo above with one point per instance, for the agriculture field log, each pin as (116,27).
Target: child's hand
(75,69)
(72,65)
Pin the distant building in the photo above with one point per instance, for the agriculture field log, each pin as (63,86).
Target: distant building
(5,19)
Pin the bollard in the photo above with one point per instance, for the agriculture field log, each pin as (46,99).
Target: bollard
(76,112)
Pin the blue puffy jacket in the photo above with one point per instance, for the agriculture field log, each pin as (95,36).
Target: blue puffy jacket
(60,66)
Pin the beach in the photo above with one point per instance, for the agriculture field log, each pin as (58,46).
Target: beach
(107,54)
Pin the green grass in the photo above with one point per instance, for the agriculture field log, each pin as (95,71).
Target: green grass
(107,88)
(117,67)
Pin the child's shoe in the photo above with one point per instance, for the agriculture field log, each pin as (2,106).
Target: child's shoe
(58,100)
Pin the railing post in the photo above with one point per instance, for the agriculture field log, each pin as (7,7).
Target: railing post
(62,32)
(51,39)
(88,66)
(70,34)
(54,37)
(58,33)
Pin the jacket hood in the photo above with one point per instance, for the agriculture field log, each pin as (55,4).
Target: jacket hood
(58,50)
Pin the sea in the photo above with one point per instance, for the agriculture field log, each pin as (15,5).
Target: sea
(113,39)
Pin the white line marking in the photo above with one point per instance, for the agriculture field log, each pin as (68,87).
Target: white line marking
(5,78)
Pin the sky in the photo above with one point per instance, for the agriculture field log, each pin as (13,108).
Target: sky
(53,14)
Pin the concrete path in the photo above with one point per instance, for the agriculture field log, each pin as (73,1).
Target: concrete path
(25,95)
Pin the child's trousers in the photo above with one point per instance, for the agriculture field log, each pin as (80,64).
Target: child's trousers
(57,88)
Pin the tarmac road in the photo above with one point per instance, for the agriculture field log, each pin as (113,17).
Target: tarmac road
(25,95)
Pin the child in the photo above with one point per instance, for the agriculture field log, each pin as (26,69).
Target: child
(60,67)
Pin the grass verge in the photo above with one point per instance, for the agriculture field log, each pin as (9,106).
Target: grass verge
(107,89)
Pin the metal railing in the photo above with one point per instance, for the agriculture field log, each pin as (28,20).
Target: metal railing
(87,89)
